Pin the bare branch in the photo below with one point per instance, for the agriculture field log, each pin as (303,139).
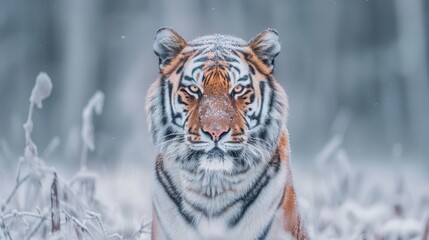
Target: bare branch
(36,228)
(144,228)
(24,214)
(79,224)
(93,215)
(17,185)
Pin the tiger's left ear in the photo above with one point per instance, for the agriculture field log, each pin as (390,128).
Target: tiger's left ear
(266,46)
(167,45)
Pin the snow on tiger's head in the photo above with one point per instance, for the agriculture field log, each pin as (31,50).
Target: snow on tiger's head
(216,95)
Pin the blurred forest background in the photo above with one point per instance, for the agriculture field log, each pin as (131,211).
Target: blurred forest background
(356,68)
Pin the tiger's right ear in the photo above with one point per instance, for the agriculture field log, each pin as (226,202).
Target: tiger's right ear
(266,46)
(168,44)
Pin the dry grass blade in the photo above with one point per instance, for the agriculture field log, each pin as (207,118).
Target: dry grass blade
(55,206)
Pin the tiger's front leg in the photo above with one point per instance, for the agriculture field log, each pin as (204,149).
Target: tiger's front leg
(292,220)
(156,231)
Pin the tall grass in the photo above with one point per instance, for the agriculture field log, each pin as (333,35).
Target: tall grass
(42,204)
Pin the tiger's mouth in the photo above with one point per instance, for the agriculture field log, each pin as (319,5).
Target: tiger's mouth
(211,147)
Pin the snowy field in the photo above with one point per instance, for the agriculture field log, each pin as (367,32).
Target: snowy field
(339,199)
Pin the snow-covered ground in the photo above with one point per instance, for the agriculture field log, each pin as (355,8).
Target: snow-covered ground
(339,200)
(364,201)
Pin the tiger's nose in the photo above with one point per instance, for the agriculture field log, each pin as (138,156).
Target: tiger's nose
(215,132)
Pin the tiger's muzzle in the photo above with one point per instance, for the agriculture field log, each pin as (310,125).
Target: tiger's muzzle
(216,115)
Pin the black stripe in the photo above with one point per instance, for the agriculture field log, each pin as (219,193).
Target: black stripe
(245,93)
(198,208)
(273,93)
(171,191)
(174,115)
(263,134)
(254,116)
(196,68)
(186,120)
(162,93)
(154,131)
(189,78)
(191,162)
(180,68)
(264,232)
(252,69)
(244,78)
(230,59)
(267,122)
(249,198)
(180,100)
(211,67)
(201,51)
(255,189)
(201,59)
(203,210)
(252,98)
(267,62)
(169,134)
(262,87)
(234,67)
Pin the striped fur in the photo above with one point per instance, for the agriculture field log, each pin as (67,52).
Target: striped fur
(217,118)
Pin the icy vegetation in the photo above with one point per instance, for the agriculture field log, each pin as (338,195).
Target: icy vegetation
(342,201)
(40,204)
(338,200)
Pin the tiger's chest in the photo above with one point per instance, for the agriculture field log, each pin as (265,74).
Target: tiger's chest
(214,204)
(215,187)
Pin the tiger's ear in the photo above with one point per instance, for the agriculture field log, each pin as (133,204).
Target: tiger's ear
(167,45)
(266,46)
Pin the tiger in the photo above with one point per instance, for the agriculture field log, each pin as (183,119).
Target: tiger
(217,118)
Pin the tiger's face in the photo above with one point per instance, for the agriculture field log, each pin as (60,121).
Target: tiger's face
(216,96)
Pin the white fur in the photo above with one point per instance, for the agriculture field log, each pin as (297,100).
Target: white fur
(254,221)
(210,186)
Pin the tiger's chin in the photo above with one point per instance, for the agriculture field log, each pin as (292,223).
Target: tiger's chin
(216,160)
(216,148)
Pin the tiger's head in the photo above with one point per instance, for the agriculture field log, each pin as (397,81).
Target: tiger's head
(216,98)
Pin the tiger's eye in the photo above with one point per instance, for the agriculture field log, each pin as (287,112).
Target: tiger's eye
(194,88)
(238,89)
